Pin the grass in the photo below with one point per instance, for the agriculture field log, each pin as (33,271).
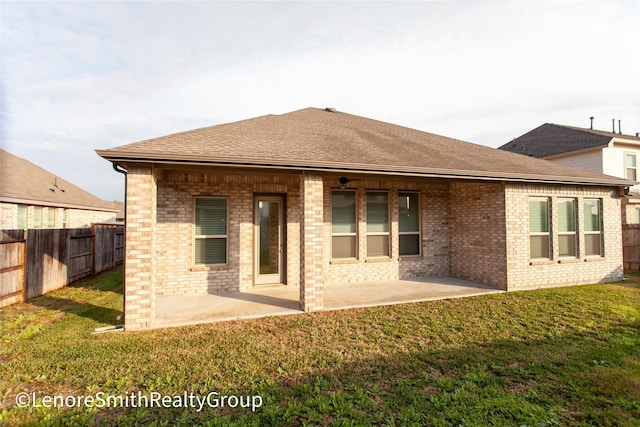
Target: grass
(565,356)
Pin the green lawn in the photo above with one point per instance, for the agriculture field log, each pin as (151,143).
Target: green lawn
(567,356)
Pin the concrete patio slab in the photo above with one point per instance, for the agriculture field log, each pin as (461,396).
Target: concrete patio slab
(280,300)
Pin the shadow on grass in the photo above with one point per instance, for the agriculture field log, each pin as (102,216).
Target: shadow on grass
(84,309)
(108,281)
(572,379)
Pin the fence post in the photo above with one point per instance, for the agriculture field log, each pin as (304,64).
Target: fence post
(93,250)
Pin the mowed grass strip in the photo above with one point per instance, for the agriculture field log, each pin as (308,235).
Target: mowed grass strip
(564,356)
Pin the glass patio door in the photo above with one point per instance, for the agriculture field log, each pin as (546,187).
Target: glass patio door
(269,244)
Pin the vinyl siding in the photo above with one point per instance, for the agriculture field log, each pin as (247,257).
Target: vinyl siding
(613,161)
(591,160)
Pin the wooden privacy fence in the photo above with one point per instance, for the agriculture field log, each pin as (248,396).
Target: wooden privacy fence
(37,261)
(631,246)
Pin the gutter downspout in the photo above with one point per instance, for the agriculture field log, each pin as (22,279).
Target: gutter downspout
(120,169)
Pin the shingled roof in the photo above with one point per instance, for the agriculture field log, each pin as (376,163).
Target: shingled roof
(326,140)
(551,139)
(24,182)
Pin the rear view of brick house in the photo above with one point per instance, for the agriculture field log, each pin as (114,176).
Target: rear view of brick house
(316,197)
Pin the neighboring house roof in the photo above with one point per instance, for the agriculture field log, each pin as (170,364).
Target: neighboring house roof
(24,182)
(551,139)
(326,140)
(119,206)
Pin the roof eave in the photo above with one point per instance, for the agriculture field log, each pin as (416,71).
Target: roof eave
(117,157)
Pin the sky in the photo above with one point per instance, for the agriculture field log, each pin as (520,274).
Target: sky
(81,76)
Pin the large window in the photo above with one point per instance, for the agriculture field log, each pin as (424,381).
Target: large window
(567,227)
(210,246)
(51,217)
(377,224)
(593,227)
(37,217)
(343,224)
(22,216)
(409,223)
(539,228)
(630,166)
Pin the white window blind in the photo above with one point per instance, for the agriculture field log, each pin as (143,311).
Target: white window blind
(593,227)
(567,227)
(210,246)
(343,224)
(377,224)
(539,241)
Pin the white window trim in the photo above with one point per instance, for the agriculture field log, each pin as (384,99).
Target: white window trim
(548,233)
(628,153)
(211,236)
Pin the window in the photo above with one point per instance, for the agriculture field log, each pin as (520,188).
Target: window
(64,218)
(637,211)
(22,216)
(593,227)
(37,217)
(211,231)
(630,168)
(409,223)
(343,224)
(539,241)
(51,217)
(567,227)
(377,224)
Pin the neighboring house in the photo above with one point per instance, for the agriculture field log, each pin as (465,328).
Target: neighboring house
(317,197)
(31,197)
(609,153)
(120,214)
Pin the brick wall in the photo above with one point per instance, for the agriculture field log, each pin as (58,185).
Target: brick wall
(475,231)
(525,273)
(76,218)
(8,216)
(177,190)
(83,218)
(140,260)
(478,237)
(311,252)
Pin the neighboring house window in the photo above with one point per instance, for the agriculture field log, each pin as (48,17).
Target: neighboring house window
(593,226)
(51,217)
(539,241)
(343,224)
(211,231)
(637,210)
(64,218)
(630,167)
(22,216)
(377,224)
(567,227)
(409,223)
(37,217)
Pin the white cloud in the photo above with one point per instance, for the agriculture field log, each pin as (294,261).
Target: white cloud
(80,76)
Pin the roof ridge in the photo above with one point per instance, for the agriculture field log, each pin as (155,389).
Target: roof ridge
(596,131)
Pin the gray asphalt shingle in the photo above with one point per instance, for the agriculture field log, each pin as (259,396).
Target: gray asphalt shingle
(324,140)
